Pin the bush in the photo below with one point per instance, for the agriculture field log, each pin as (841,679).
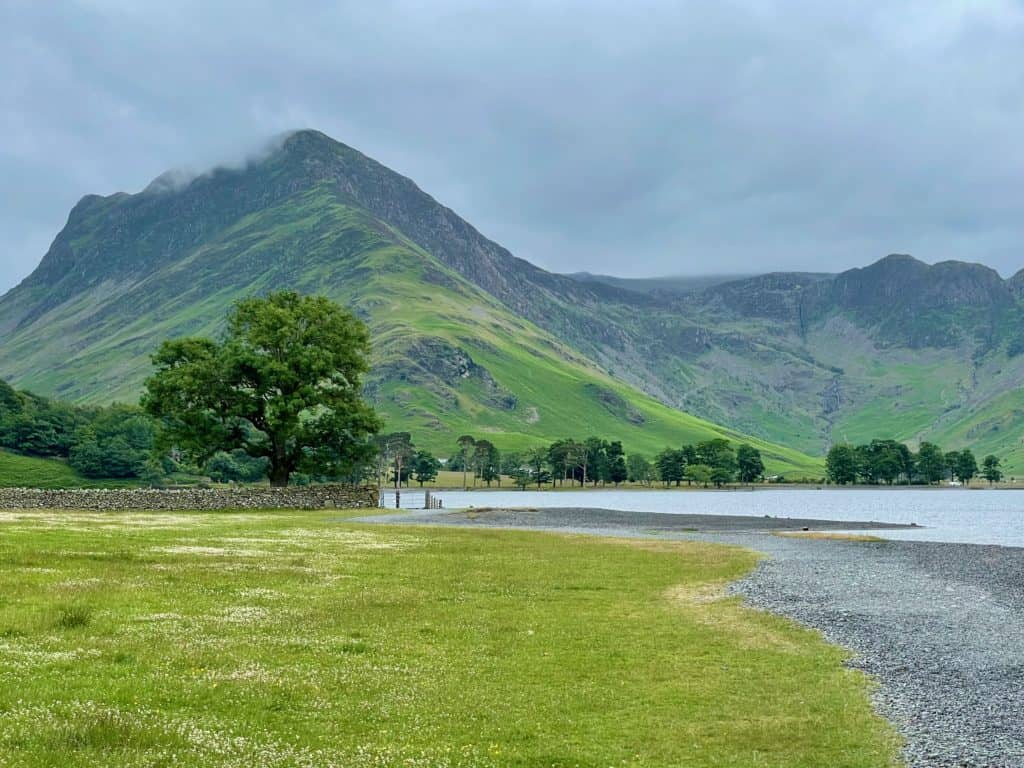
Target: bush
(235,467)
(117,443)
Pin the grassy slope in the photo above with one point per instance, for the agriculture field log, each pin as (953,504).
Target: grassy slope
(31,472)
(290,639)
(315,243)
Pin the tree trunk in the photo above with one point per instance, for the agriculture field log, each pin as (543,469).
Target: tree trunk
(279,475)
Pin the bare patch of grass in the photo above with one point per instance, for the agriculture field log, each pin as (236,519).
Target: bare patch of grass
(824,535)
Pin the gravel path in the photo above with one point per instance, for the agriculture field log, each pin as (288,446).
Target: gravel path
(941,626)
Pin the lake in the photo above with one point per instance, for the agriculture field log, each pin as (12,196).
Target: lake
(960,515)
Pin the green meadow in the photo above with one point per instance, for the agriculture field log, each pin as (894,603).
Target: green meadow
(304,639)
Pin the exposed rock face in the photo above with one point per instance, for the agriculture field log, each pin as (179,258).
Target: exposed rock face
(832,397)
(435,361)
(615,404)
(776,296)
(900,281)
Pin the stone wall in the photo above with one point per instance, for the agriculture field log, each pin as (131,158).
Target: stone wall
(244,497)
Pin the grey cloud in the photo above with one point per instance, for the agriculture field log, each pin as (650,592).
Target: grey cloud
(637,138)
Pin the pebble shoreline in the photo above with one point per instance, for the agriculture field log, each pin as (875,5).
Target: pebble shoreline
(939,626)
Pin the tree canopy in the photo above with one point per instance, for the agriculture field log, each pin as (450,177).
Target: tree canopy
(284,384)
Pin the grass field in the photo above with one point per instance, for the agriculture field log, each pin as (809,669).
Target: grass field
(299,639)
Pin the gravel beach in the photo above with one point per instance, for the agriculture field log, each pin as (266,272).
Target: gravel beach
(940,626)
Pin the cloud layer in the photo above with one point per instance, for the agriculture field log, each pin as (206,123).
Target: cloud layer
(630,138)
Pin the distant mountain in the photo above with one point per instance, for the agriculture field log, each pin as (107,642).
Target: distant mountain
(672,285)
(470,338)
(467,337)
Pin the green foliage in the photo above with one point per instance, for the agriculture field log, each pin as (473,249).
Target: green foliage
(464,453)
(235,467)
(701,474)
(113,442)
(536,466)
(990,469)
(639,469)
(671,466)
(117,442)
(720,456)
(965,466)
(425,467)
(617,471)
(284,385)
(487,461)
(749,464)
(931,463)
(841,464)
(888,461)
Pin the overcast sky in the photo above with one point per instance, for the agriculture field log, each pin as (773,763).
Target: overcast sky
(630,138)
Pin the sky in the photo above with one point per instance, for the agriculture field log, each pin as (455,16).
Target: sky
(628,138)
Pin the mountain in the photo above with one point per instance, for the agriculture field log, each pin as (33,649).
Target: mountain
(470,338)
(467,338)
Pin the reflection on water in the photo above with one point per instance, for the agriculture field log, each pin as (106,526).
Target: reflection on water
(970,516)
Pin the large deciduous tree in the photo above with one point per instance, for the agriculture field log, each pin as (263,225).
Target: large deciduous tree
(284,384)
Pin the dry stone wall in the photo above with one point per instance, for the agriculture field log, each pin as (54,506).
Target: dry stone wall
(255,497)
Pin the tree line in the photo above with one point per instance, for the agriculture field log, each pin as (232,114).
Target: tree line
(115,441)
(592,461)
(890,462)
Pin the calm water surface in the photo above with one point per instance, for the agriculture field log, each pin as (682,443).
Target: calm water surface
(959,515)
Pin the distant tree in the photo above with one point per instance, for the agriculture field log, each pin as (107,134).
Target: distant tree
(670,466)
(284,384)
(487,461)
(638,469)
(521,477)
(990,469)
(885,460)
(465,443)
(597,460)
(561,459)
(400,454)
(841,464)
(700,473)
(537,462)
(952,460)
(749,463)
(578,459)
(931,464)
(966,466)
(425,467)
(510,462)
(720,456)
(617,471)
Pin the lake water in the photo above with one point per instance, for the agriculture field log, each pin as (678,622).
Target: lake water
(959,515)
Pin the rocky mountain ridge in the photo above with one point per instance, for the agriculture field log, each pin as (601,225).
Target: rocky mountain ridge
(901,347)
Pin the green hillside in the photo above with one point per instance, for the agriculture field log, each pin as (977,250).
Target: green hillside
(468,338)
(449,358)
(30,472)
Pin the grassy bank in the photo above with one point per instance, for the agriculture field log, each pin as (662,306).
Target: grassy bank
(17,471)
(296,639)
